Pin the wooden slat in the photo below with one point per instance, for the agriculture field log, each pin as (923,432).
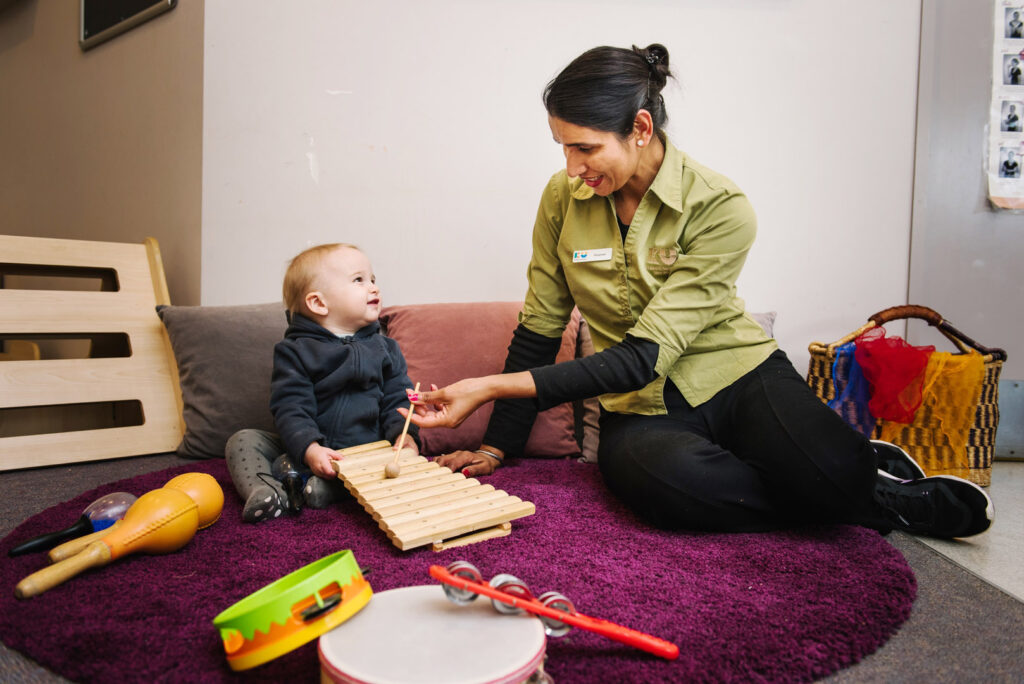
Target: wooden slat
(156,272)
(30,451)
(363,471)
(364,448)
(403,507)
(57,311)
(429,533)
(360,462)
(79,381)
(454,512)
(419,494)
(82,253)
(502,530)
(416,473)
(410,466)
(433,479)
(434,508)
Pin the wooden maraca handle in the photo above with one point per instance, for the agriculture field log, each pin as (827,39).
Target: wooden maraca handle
(94,555)
(70,548)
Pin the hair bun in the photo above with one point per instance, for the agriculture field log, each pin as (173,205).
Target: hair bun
(656,56)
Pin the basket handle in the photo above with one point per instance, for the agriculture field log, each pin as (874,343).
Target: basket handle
(935,320)
(894,313)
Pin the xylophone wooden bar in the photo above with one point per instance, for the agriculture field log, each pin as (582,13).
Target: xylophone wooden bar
(426,503)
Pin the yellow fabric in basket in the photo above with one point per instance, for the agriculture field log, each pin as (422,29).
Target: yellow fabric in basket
(937,437)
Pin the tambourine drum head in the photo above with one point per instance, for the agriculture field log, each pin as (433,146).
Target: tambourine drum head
(415,635)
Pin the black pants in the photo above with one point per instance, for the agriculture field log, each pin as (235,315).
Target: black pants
(761,454)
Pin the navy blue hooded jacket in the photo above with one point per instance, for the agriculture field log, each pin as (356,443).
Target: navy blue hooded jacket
(338,391)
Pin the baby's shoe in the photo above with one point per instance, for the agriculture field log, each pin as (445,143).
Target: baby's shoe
(263,503)
(321,493)
(291,480)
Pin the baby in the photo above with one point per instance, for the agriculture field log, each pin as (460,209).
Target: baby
(337,382)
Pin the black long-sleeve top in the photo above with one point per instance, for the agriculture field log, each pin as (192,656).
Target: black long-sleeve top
(627,366)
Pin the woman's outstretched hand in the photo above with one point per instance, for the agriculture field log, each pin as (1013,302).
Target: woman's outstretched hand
(469,463)
(448,406)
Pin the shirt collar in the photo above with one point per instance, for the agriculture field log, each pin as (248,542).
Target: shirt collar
(667,185)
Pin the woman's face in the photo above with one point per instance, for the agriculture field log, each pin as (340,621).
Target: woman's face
(604,161)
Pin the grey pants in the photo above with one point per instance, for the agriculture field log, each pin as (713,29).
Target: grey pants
(253,458)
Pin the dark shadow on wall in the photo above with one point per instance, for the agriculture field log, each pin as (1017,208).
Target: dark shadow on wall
(17,22)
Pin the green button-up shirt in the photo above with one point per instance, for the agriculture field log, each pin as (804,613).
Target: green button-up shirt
(671,281)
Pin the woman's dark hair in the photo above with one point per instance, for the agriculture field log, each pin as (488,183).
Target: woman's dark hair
(605,87)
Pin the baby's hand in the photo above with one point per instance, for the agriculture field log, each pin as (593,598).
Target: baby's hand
(408,443)
(319,458)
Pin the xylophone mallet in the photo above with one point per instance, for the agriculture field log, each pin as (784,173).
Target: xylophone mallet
(393,469)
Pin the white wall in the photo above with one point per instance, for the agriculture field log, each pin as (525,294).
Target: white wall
(415,129)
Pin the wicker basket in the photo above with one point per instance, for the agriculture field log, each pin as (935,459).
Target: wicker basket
(982,434)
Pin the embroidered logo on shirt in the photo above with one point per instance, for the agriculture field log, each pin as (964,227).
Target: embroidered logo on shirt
(661,259)
(581,256)
(666,256)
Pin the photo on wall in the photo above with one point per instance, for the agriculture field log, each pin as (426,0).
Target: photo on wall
(1009,117)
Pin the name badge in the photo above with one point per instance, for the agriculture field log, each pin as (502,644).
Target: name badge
(581,256)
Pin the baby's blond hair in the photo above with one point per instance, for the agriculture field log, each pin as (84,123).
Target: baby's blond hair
(302,272)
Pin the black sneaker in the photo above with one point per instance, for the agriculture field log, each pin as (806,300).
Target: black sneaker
(292,484)
(895,461)
(939,506)
(284,471)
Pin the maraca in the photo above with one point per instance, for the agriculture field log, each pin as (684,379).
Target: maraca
(161,521)
(203,489)
(97,516)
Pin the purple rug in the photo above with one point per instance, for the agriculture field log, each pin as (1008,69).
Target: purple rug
(785,606)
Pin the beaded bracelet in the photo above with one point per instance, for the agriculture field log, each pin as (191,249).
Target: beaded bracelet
(493,455)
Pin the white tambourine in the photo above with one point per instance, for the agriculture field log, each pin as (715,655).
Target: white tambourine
(415,635)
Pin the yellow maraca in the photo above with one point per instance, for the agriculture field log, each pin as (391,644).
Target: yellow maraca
(205,491)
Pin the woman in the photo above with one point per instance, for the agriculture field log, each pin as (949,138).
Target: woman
(1010,168)
(705,424)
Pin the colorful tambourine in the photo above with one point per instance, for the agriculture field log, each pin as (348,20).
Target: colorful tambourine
(292,611)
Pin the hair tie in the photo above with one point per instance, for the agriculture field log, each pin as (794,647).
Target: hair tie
(651,59)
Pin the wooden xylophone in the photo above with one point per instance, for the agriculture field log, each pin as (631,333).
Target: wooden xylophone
(426,503)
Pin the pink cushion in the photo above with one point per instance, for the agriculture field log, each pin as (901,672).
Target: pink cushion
(443,343)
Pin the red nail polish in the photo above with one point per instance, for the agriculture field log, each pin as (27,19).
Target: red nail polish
(465,471)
